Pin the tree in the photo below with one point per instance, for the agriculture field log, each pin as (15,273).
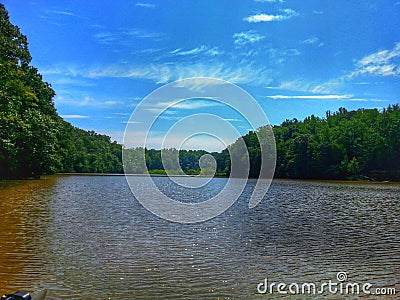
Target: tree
(28,123)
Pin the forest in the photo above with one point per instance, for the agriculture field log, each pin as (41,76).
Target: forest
(362,144)
(357,145)
(35,140)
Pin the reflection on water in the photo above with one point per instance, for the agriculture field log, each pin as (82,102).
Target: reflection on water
(85,237)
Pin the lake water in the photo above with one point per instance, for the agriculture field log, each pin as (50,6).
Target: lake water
(86,237)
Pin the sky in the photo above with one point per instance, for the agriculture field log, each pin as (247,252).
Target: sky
(295,58)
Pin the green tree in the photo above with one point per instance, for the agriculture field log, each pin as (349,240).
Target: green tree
(28,120)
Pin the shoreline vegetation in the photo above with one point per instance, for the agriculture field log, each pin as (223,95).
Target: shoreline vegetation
(34,140)
(338,181)
(216,176)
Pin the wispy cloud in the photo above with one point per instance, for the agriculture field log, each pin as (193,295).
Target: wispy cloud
(248,37)
(125,36)
(149,51)
(187,104)
(232,120)
(57,17)
(145,5)
(325,97)
(318,12)
(311,97)
(61,12)
(111,102)
(269,1)
(203,50)
(169,110)
(170,118)
(279,56)
(199,83)
(98,26)
(163,73)
(74,117)
(381,63)
(286,14)
(85,101)
(313,40)
(65,81)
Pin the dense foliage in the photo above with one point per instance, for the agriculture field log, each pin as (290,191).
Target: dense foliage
(362,144)
(34,140)
(346,144)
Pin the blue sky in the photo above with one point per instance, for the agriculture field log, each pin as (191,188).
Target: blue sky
(296,58)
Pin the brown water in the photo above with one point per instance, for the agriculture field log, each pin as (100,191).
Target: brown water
(86,237)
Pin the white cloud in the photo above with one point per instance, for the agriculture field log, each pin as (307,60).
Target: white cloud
(197,84)
(70,82)
(125,36)
(248,37)
(313,40)
(163,73)
(170,118)
(60,12)
(195,51)
(232,120)
(111,102)
(291,52)
(368,99)
(74,117)
(381,63)
(330,86)
(187,104)
(263,18)
(146,5)
(83,101)
(326,97)
(286,14)
(269,1)
(322,97)
(279,56)
(296,85)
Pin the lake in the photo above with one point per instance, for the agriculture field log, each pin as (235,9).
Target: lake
(86,237)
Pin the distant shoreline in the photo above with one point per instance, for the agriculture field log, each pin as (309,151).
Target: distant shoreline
(344,181)
(138,175)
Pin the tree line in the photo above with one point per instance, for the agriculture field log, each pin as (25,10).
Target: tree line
(35,140)
(177,162)
(362,144)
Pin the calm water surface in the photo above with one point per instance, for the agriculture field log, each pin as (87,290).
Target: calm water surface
(86,237)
